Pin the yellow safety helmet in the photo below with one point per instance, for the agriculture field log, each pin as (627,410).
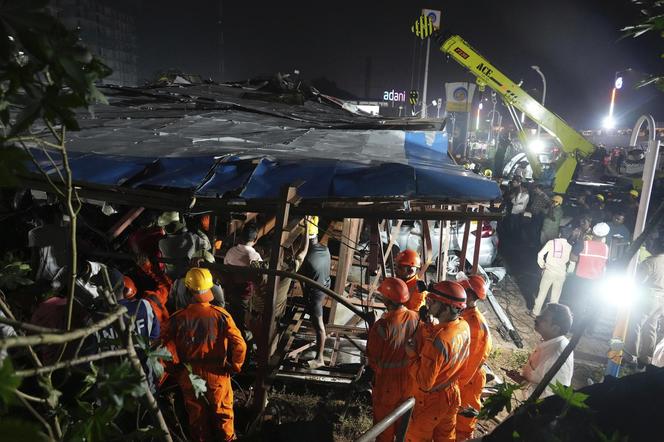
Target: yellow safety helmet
(488,173)
(600,197)
(312,226)
(198,279)
(557,200)
(634,193)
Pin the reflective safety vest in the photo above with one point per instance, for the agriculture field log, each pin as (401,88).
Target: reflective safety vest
(592,260)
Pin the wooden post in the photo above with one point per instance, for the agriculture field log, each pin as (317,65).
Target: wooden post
(263,381)
(427,249)
(349,237)
(478,240)
(445,240)
(124,222)
(464,245)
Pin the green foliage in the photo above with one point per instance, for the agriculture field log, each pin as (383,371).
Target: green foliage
(614,437)
(18,430)
(154,357)
(499,401)
(13,273)
(198,383)
(9,382)
(45,74)
(573,398)
(117,382)
(652,12)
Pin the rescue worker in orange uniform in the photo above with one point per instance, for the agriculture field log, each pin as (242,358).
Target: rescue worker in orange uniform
(386,351)
(441,350)
(205,337)
(473,377)
(407,265)
(159,296)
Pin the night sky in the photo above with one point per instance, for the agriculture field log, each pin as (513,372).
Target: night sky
(577,44)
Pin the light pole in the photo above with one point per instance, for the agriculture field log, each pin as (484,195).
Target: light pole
(477,122)
(617,343)
(609,122)
(537,69)
(493,113)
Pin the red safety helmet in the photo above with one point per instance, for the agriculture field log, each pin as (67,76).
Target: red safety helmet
(395,290)
(448,292)
(129,288)
(476,284)
(408,258)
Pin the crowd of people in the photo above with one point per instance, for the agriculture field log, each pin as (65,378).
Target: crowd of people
(206,319)
(575,253)
(431,342)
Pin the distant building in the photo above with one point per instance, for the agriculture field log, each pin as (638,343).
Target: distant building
(108,28)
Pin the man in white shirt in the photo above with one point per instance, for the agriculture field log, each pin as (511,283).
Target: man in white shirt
(557,252)
(240,288)
(553,324)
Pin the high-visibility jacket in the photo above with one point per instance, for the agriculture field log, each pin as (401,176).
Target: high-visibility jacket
(417,295)
(206,337)
(443,352)
(386,352)
(592,260)
(473,378)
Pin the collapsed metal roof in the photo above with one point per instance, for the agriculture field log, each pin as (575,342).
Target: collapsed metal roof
(247,141)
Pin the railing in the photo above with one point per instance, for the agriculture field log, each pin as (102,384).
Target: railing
(405,410)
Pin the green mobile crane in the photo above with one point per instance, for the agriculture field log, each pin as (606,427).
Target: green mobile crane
(574,145)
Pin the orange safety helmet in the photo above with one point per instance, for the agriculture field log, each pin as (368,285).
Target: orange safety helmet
(129,288)
(395,290)
(475,283)
(408,258)
(448,292)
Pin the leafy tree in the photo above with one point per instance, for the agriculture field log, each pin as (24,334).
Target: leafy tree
(46,76)
(652,21)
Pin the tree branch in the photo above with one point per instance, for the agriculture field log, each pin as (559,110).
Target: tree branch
(152,403)
(41,170)
(38,417)
(8,313)
(33,139)
(71,363)
(28,397)
(61,338)
(26,326)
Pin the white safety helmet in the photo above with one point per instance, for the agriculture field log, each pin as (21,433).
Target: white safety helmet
(601,230)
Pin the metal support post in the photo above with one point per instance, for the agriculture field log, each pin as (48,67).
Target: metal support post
(622,322)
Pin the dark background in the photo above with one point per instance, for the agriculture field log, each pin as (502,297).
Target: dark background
(577,44)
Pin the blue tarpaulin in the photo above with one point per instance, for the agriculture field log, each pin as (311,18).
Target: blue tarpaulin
(253,155)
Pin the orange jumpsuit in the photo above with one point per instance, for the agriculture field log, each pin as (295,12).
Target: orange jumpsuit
(387,356)
(472,377)
(206,337)
(442,352)
(157,298)
(417,297)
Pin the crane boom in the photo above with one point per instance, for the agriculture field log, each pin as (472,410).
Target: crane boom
(572,142)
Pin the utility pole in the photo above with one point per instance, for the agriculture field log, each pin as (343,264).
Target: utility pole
(426,80)
(434,16)
(537,69)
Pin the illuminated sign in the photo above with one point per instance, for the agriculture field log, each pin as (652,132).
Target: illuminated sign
(619,83)
(394,96)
